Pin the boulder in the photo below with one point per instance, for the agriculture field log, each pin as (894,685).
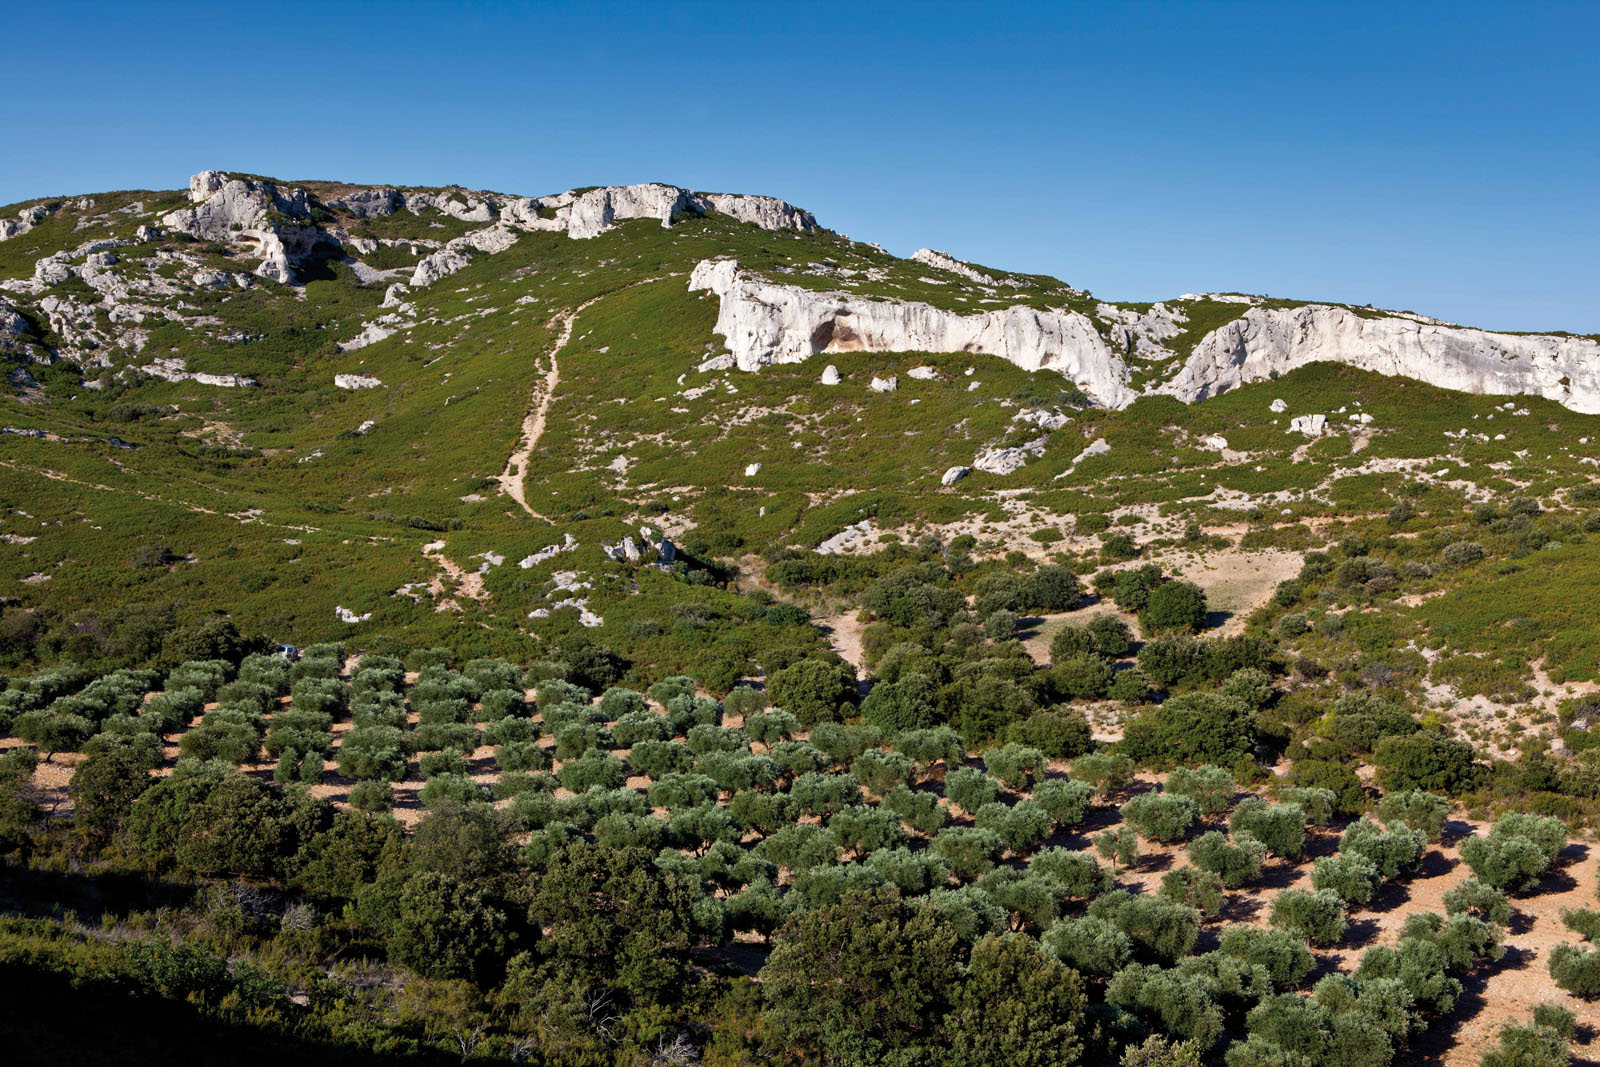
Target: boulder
(923,374)
(1009,460)
(1278,406)
(1097,447)
(954,475)
(884,385)
(1310,425)
(440,264)
(356,381)
(830,375)
(1215,442)
(752,469)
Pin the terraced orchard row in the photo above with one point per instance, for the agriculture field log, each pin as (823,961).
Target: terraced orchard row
(538,862)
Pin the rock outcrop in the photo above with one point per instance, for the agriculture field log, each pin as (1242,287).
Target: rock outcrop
(1267,341)
(945,261)
(25,220)
(764,322)
(596,211)
(276,221)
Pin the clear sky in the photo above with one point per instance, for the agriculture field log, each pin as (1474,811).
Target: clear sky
(1440,157)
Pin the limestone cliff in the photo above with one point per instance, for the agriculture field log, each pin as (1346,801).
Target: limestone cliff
(1266,341)
(764,322)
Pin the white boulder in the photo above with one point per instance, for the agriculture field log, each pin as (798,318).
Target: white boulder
(752,469)
(884,385)
(1097,447)
(1278,406)
(1310,425)
(356,381)
(954,475)
(830,375)
(1009,460)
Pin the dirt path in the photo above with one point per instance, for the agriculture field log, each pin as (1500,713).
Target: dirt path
(844,636)
(467,583)
(512,478)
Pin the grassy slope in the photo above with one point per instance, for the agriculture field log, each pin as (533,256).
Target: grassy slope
(456,387)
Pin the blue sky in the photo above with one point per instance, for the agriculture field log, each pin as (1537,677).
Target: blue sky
(1441,157)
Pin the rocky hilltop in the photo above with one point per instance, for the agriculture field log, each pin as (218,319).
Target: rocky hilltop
(97,302)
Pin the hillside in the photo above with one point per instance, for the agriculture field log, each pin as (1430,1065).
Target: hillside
(283,382)
(717,640)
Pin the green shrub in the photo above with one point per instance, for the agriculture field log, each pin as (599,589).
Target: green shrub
(1236,862)
(1065,800)
(1393,852)
(1576,970)
(1016,766)
(1164,817)
(1174,607)
(1192,728)
(1209,786)
(1199,889)
(1318,917)
(1418,810)
(1354,879)
(1280,827)
(970,789)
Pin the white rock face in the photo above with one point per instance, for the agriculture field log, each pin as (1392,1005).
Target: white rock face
(25,220)
(830,375)
(768,212)
(234,211)
(1264,340)
(954,475)
(438,265)
(945,261)
(371,203)
(1310,425)
(1097,447)
(1045,420)
(173,370)
(11,321)
(885,385)
(768,323)
(356,381)
(1143,335)
(373,333)
(595,211)
(850,539)
(1009,460)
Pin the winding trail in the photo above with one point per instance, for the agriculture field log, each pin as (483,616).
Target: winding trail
(512,478)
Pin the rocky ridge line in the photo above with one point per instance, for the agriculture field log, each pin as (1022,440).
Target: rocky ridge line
(764,322)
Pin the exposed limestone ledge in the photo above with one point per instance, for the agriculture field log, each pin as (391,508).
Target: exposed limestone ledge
(764,322)
(1266,341)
